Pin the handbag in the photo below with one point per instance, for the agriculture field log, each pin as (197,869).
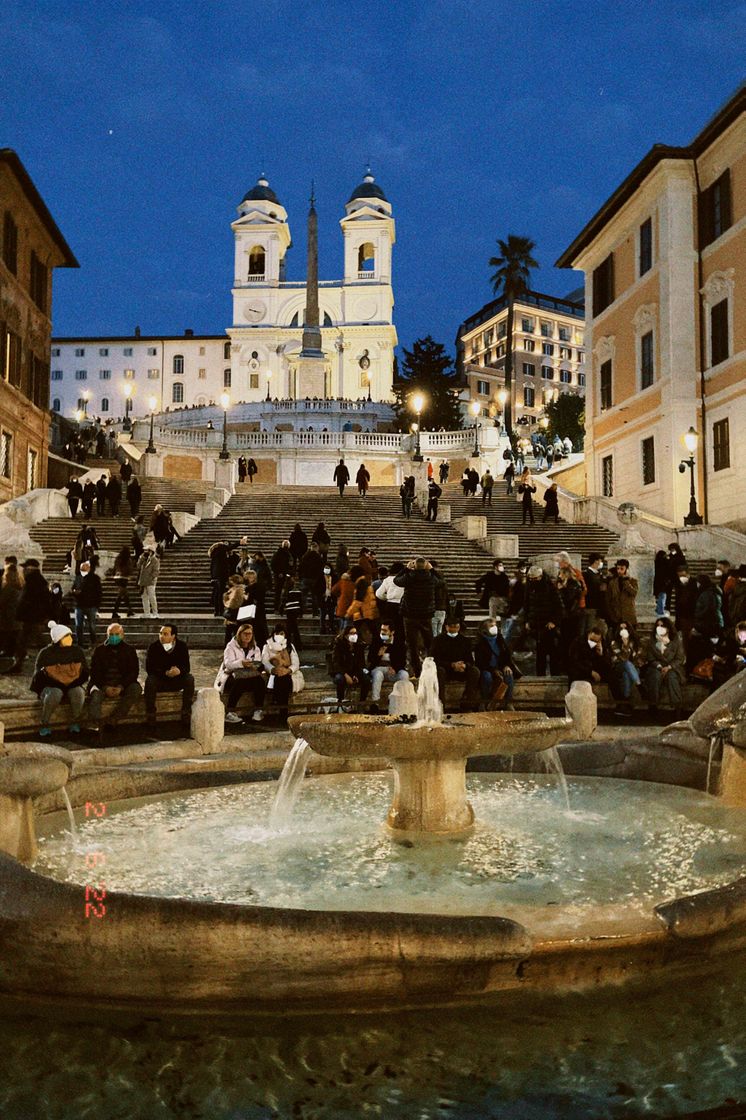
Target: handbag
(704,669)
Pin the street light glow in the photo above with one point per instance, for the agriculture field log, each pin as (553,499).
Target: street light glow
(691,439)
(475,408)
(152,402)
(502,397)
(418,403)
(127,390)
(225,401)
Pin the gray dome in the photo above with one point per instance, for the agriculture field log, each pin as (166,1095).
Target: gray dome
(262,192)
(367,189)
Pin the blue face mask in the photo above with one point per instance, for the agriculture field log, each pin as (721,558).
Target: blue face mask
(113,639)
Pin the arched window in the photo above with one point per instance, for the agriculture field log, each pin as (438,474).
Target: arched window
(104,404)
(294,320)
(327,320)
(177,393)
(226,379)
(366,258)
(256,262)
(56,404)
(178,364)
(226,351)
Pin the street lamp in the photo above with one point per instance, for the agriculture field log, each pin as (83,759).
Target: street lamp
(418,403)
(225,401)
(502,398)
(368,378)
(86,398)
(150,449)
(691,439)
(269,378)
(475,410)
(127,390)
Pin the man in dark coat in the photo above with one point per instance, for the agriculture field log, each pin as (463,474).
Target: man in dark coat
(311,575)
(74,496)
(494,588)
(114,672)
(88,593)
(221,566)
(341,477)
(125,472)
(168,670)
(433,494)
(595,595)
(587,660)
(543,617)
(454,661)
(322,538)
(89,497)
(134,496)
(417,607)
(298,542)
(282,565)
(241,468)
(33,611)
(114,494)
(251,470)
(101,496)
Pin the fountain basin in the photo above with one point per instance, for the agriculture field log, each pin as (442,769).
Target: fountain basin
(27,770)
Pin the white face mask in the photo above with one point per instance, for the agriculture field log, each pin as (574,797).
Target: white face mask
(742,635)
(352,638)
(386,638)
(281,640)
(327,571)
(501,567)
(592,644)
(168,645)
(452,634)
(624,634)
(493,630)
(718,572)
(683,579)
(661,631)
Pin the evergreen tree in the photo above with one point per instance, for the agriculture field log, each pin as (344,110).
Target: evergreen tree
(567,418)
(429,370)
(511,279)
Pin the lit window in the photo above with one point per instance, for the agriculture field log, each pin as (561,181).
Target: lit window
(129,375)
(153,374)
(202,375)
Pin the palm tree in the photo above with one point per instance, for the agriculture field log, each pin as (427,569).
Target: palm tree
(511,279)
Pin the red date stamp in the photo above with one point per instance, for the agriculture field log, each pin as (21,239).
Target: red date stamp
(95,893)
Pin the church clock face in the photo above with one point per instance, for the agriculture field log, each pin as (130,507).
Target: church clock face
(254,310)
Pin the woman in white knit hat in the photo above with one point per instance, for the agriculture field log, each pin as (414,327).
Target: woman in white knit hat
(60,672)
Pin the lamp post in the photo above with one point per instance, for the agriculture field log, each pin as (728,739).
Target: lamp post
(86,398)
(150,449)
(418,403)
(502,398)
(269,378)
(225,402)
(127,390)
(691,439)
(475,410)
(368,379)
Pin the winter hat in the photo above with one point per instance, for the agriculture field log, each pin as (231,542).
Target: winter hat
(58,631)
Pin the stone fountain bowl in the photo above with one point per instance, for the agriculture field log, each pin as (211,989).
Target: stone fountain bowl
(457,737)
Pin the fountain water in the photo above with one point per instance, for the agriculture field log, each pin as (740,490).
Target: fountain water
(553,765)
(70,814)
(429,707)
(288,787)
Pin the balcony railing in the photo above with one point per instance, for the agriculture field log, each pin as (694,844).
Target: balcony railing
(366,274)
(255,278)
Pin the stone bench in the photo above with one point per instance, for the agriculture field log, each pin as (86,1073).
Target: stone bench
(25,715)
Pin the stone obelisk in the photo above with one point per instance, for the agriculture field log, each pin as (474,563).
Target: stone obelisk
(311,362)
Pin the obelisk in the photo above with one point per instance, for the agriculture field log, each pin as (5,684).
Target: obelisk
(311,362)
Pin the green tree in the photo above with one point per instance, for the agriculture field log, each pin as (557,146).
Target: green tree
(511,279)
(567,418)
(429,370)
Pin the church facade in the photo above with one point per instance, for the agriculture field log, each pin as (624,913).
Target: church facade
(260,356)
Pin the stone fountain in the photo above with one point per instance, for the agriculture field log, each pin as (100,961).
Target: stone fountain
(429,756)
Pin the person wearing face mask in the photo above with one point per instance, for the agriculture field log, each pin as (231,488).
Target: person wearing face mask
(454,661)
(88,593)
(686,593)
(708,623)
(543,617)
(624,652)
(59,674)
(114,672)
(348,668)
(497,673)
(663,667)
(386,661)
(736,598)
(281,662)
(168,670)
(595,591)
(587,660)
(327,603)
(730,655)
(493,587)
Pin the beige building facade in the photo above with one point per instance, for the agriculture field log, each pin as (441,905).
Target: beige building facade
(665,266)
(31,246)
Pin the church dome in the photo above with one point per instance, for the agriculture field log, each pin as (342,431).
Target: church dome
(262,192)
(367,189)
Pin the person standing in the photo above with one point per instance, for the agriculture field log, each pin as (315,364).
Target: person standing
(282,565)
(443,472)
(168,670)
(148,570)
(406,493)
(251,470)
(114,672)
(242,472)
(595,591)
(487,482)
(527,489)
(89,497)
(543,617)
(134,496)
(327,619)
(74,496)
(433,495)
(430,471)
(88,594)
(509,476)
(341,477)
(322,539)
(362,478)
(101,496)
(417,607)
(494,588)
(32,612)
(159,527)
(621,593)
(114,494)
(551,503)
(10,595)
(139,533)
(123,570)
(60,672)
(125,472)
(222,565)
(298,543)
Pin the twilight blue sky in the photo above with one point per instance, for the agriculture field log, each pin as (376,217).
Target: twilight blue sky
(144,124)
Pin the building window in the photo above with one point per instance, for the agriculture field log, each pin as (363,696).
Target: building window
(226,351)
(500,352)
(129,375)
(581,380)
(529,345)
(474,345)
(152,351)
(721,445)
(153,374)
(648,461)
(226,379)
(202,374)
(603,285)
(6,454)
(56,375)
(10,243)
(127,351)
(607,476)
(178,364)
(55,351)
(719,332)
(547,330)
(528,396)
(56,404)
(566,353)
(103,352)
(645,259)
(81,375)
(547,372)
(32,460)
(566,376)
(202,351)
(606,389)
(547,348)
(502,329)
(256,261)
(565,334)
(487,358)
(647,361)
(104,404)
(104,375)
(483,387)
(487,338)
(177,392)
(82,405)
(80,353)
(529,369)
(715,210)
(253,380)
(581,355)
(38,279)
(527,325)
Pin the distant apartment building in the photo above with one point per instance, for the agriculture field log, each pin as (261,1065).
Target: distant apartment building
(665,265)
(548,354)
(31,246)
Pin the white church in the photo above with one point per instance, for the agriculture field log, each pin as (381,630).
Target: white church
(330,340)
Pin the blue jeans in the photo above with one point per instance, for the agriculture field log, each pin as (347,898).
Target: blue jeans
(83,616)
(626,675)
(660,603)
(487,682)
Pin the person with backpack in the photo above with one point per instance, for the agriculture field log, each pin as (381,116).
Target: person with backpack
(434,493)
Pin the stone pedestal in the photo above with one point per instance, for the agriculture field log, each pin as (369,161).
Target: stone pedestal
(504,545)
(311,377)
(208,720)
(217,494)
(733,777)
(581,706)
(206,509)
(429,796)
(152,466)
(225,476)
(473,527)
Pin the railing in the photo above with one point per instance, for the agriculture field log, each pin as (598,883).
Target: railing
(255,278)
(389,442)
(363,274)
